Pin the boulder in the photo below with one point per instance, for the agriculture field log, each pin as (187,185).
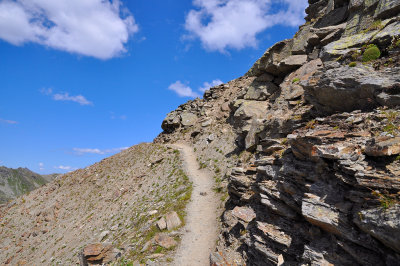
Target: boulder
(188,119)
(292,62)
(260,91)
(269,62)
(162,224)
(290,87)
(98,254)
(171,122)
(247,111)
(165,241)
(173,221)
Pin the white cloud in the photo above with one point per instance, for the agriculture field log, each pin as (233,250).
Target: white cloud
(97,28)
(5,121)
(65,168)
(208,85)
(41,166)
(223,24)
(82,151)
(183,90)
(66,97)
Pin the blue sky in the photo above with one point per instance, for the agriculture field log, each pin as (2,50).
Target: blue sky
(81,80)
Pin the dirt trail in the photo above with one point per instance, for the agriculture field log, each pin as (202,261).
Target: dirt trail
(201,231)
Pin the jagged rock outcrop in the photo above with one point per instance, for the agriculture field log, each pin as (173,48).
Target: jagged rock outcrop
(314,178)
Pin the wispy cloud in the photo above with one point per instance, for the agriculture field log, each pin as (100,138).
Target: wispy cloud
(5,121)
(94,28)
(41,166)
(83,151)
(225,24)
(65,168)
(65,97)
(208,85)
(185,91)
(115,116)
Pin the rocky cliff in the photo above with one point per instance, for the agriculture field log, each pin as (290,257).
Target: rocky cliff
(305,147)
(16,182)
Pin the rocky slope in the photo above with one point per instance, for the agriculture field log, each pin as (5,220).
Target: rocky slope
(305,147)
(16,182)
(125,208)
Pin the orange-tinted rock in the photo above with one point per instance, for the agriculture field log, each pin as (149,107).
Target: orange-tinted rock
(165,241)
(383,146)
(244,213)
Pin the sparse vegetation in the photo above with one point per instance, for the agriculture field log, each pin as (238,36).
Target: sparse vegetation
(353,64)
(311,124)
(376,25)
(295,80)
(385,200)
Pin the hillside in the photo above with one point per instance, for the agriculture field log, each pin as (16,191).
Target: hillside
(16,182)
(116,202)
(303,152)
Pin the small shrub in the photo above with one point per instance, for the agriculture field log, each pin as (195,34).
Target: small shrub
(352,64)
(384,199)
(371,53)
(295,80)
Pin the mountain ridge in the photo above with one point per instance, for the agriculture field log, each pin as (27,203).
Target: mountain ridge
(16,182)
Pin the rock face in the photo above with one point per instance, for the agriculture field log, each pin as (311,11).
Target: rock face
(314,178)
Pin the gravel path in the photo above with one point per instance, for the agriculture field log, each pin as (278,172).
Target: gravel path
(201,231)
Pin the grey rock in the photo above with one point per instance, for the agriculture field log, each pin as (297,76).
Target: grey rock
(260,91)
(344,45)
(387,34)
(162,224)
(387,8)
(171,122)
(248,111)
(277,207)
(383,224)
(269,62)
(292,62)
(356,5)
(188,119)
(173,221)
(346,89)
